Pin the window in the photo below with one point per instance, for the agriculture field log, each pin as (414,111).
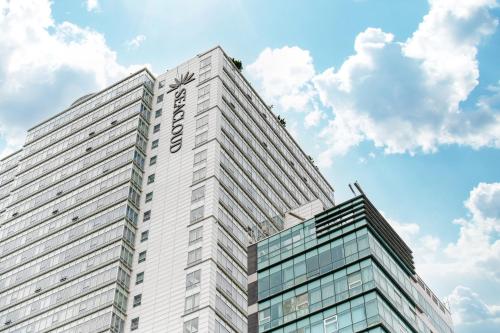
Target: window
(192,302)
(152,160)
(159,99)
(149,196)
(139,278)
(204,92)
(202,122)
(202,106)
(158,113)
(354,280)
(161,84)
(205,62)
(151,178)
(191,326)
(146,216)
(144,236)
(197,214)
(195,235)
(302,304)
(199,174)
(200,138)
(134,324)
(200,157)
(331,324)
(194,256)
(142,256)
(198,194)
(154,144)
(137,300)
(205,75)
(193,279)
(289,307)
(156,128)
(264,316)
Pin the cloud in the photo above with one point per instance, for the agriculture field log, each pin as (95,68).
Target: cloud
(472,259)
(468,308)
(284,76)
(477,249)
(313,118)
(92,5)
(402,96)
(45,66)
(135,42)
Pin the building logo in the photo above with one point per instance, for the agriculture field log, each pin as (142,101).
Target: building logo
(185,79)
(178,115)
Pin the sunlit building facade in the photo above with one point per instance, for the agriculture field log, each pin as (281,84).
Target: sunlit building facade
(132,210)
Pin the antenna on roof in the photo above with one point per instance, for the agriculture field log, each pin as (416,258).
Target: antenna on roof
(352,190)
(359,187)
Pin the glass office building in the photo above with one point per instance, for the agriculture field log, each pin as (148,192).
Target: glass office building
(132,210)
(345,270)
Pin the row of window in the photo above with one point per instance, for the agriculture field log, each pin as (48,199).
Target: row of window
(73,309)
(67,168)
(105,114)
(63,273)
(44,230)
(193,278)
(82,148)
(313,263)
(68,176)
(77,137)
(82,109)
(321,293)
(273,129)
(50,243)
(76,191)
(69,291)
(271,171)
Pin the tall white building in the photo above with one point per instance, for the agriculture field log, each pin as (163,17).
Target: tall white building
(132,210)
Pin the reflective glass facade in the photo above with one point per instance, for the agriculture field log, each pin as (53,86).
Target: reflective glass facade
(345,277)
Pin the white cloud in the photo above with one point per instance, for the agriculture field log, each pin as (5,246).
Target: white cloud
(135,42)
(403,96)
(313,118)
(477,249)
(406,230)
(284,76)
(45,65)
(92,5)
(468,308)
(472,259)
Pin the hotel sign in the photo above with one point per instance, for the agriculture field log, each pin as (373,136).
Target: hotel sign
(178,114)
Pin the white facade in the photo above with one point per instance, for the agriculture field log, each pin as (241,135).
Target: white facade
(219,172)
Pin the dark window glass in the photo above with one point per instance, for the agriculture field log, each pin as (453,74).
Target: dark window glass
(337,256)
(144,236)
(325,259)
(350,248)
(312,266)
(134,324)
(275,282)
(263,286)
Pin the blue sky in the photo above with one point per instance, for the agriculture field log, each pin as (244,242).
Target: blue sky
(403,96)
